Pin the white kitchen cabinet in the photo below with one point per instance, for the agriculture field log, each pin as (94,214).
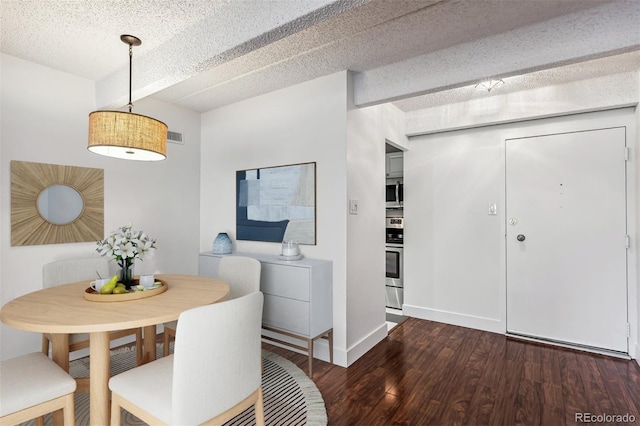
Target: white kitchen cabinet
(394,164)
(298,298)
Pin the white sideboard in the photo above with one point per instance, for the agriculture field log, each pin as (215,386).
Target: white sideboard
(298,297)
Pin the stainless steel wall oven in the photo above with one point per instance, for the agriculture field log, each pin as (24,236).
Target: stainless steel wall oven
(394,260)
(394,286)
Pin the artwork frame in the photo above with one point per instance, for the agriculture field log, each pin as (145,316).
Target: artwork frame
(277,203)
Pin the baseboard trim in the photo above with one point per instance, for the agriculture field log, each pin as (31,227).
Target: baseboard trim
(364,345)
(454,318)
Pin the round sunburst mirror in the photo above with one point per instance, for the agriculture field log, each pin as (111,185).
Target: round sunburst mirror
(53,204)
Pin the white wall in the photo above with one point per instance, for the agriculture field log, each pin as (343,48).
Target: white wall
(45,119)
(366,319)
(454,251)
(451,246)
(394,122)
(302,123)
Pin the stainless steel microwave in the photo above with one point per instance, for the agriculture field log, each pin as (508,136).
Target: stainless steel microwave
(395,193)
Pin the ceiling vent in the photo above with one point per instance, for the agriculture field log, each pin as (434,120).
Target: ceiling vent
(174,137)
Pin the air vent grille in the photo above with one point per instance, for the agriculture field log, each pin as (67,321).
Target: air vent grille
(174,137)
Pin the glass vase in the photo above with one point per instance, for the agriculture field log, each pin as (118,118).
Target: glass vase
(125,274)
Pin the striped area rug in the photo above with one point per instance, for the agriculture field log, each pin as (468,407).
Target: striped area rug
(290,397)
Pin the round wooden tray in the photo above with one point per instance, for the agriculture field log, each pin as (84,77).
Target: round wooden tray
(94,296)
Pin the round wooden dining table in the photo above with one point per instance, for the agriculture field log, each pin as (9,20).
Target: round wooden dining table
(63,310)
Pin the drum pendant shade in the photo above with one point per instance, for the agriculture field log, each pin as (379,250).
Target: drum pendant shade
(127,135)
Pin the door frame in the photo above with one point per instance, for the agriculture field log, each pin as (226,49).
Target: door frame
(621,117)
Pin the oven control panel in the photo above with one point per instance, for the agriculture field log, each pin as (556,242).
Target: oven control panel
(395,230)
(394,222)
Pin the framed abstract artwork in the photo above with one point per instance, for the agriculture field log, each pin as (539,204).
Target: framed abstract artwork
(277,204)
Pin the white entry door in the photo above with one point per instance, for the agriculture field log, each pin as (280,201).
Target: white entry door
(566,238)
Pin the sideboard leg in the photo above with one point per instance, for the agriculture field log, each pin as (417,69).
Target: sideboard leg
(310,353)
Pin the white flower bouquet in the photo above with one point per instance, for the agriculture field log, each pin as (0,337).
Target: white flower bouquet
(124,245)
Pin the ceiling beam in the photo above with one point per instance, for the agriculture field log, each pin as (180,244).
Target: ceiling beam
(237,29)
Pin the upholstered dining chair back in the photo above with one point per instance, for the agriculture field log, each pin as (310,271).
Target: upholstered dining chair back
(214,372)
(81,269)
(230,356)
(73,270)
(241,273)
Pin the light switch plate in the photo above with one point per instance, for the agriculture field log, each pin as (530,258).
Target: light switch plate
(353,206)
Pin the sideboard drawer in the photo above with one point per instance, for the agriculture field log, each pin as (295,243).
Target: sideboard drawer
(286,314)
(284,281)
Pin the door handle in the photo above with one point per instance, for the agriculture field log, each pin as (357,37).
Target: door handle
(520,237)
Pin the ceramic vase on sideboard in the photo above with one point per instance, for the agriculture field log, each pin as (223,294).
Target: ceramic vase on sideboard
(222,244)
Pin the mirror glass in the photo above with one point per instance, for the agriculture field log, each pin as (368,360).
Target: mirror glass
(60,204)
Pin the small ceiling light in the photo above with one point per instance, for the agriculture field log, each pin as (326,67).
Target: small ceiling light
(127,135)
(489,85)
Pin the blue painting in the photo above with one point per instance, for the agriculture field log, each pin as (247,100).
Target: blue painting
(277,204)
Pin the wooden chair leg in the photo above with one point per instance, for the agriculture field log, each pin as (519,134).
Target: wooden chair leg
(45,345)
(139,350)
(115,410)
(259,409)
(69,412)
(166,340)
(165,343)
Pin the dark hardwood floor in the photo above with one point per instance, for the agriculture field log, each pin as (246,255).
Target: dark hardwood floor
(428,373)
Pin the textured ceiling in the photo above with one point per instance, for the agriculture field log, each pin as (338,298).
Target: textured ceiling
(202,54)
(554,76)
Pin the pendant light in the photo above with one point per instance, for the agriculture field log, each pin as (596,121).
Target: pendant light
(127,135)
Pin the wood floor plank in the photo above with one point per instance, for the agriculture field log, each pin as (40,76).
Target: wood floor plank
(622,400)
(551,371)
(631,382)
(507,392)
(428,373)
(481,406)
(528,403)
(572,387)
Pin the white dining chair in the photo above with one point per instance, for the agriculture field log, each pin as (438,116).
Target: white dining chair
(241,273)
(31,386)
(73,270)
(212,376)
